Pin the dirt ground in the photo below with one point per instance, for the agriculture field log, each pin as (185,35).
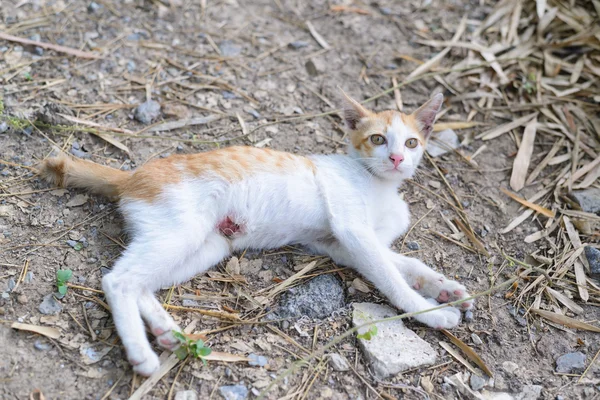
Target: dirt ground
(254,62)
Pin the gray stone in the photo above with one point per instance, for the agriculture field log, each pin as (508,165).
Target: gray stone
(3,127)
(11,284)
(477,382)
(338,363)
(234,392)
(28,277)
(257,361)
(41,345)
(229,48)
(476,339)
(394,348)
(147,111)
(186,395)
(414,246)
(593,256)
(468,316)
(571,363)
(530,392)
(317,298)
(442,142)
(298,44)
(588,199)
(510,367)
(189,303)
(50,305)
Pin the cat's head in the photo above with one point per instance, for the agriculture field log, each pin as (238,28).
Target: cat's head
(390,144)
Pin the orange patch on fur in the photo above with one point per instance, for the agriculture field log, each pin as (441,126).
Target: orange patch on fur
(232,164)
(412,124)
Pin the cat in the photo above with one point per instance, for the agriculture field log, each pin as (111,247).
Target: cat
(187,213)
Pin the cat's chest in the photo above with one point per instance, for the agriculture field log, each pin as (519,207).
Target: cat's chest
(385,206)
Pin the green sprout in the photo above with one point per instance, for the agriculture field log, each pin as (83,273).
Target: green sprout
(27,76)
(62,277)
(368,335)
(194,348)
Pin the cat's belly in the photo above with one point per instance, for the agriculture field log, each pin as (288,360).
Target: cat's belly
(272,212)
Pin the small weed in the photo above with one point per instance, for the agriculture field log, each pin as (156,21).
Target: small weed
(62,277)
(27,76)
(194,348)
(368,335)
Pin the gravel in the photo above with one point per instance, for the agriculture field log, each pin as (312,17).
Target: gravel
(571,363)
(147,112)
(50,305)
(234,392)
(317,298)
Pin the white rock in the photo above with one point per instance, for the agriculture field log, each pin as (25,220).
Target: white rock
(510,367)
(186,395)
(394,348)
(338,363)
(442,142)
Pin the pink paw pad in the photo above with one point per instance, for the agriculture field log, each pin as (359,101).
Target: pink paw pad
(166,342)
(417,286)
(158,331)
(458,293)
(443,296)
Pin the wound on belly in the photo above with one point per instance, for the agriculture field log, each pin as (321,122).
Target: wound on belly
(228,228)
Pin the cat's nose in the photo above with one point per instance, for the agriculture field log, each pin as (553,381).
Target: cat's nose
(396,159)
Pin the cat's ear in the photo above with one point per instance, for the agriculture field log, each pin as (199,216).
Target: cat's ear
(353,112)
(424,116)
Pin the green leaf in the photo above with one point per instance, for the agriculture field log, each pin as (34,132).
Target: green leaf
(181,352)
(62,289)
(78,246)
(63,275)
(205,351)
(179,336)
(370,334)
(204,361)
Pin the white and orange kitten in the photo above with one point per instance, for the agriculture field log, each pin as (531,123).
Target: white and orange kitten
(186,213)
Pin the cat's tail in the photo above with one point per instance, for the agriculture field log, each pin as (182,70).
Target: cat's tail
(66,171)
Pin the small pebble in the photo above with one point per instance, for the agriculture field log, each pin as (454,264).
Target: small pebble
(3,127)
(477,382)
(93,7)
(414,246)
(476,339)
(234,392)
(298,44)
(147,112)
(186,395)
(469,316)
(22,299)
(510,367)
(571,363)
(257,361)
(338,363)
(11,284)
(41,345)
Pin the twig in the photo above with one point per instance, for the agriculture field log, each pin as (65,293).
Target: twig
(50,46)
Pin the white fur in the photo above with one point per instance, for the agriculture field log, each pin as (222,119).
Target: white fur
(342,211)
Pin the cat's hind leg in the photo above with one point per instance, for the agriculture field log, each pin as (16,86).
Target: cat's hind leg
(214,249)
(148,264)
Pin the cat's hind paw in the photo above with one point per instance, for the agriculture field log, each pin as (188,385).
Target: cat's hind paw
(145,363)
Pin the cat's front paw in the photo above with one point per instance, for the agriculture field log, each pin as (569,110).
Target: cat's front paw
(445,318)
(168,341)
(444,290)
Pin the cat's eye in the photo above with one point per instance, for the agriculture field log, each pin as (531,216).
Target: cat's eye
(412,143)
(378,140)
